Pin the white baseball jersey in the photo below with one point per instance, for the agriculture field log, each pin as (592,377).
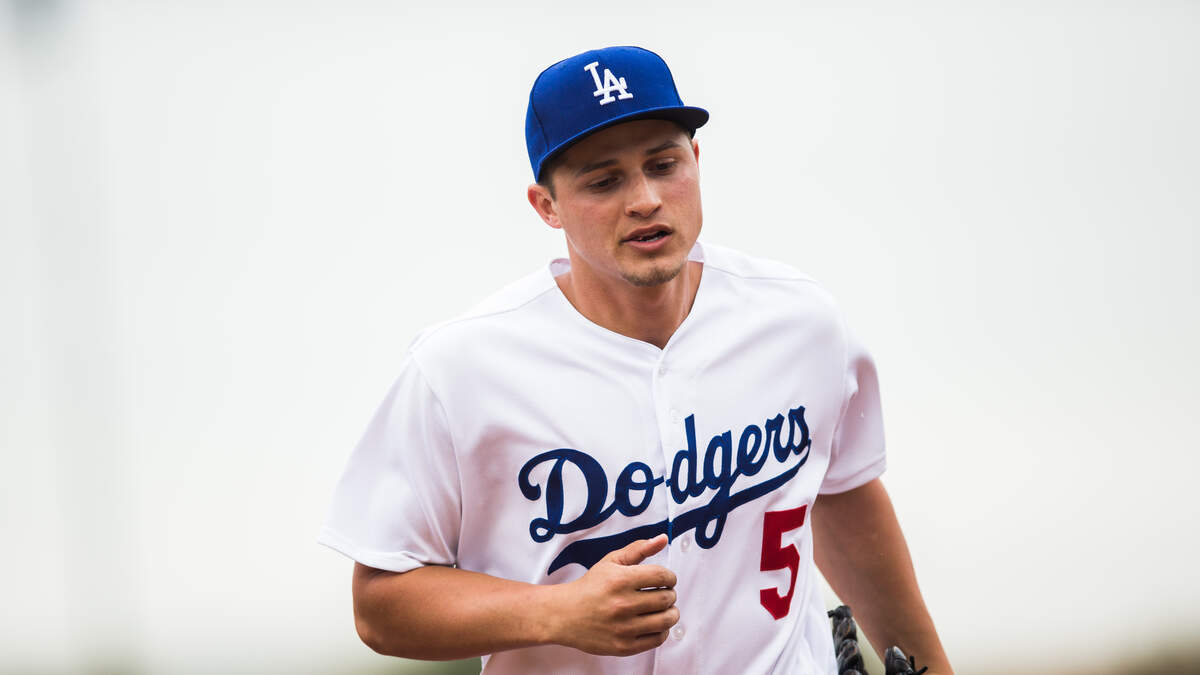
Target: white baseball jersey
(522,440)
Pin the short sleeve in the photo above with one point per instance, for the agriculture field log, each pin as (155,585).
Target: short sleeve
(397,505)
(857,451)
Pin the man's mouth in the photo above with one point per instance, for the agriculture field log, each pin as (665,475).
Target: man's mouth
(649,235)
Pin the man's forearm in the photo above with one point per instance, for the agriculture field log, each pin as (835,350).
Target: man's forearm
(859,547)
(618,607)
(442,613)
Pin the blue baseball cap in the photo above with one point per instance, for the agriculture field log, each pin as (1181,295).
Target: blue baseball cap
(597,89)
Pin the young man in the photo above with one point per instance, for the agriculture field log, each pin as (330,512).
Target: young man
(627,461)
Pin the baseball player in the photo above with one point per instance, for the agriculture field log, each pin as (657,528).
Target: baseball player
(628,460)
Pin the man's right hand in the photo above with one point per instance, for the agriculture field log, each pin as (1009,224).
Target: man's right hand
(620,606)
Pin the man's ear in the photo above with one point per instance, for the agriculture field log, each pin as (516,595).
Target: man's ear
(696,150)
(541,201)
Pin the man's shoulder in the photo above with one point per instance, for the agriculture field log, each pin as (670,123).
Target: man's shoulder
(750,267)
(512,308)
(769,277)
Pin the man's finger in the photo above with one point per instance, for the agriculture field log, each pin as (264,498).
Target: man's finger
(657,600)
(651,640)
(635,552)
(650,576)
(656,622)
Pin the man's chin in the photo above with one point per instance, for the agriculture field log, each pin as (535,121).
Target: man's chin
(655,276)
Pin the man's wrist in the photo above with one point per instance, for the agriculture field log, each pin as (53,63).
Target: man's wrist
(547,613)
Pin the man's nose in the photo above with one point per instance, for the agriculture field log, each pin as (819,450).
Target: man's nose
(643,198)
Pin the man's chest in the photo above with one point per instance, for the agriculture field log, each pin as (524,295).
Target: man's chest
(577,461)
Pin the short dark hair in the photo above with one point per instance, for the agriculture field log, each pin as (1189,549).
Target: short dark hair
(549,166)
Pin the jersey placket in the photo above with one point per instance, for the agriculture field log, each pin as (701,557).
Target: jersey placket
(674,400)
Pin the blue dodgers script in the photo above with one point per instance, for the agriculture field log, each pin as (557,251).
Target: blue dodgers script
(690,476)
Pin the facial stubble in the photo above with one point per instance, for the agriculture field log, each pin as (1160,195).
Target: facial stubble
(656,276)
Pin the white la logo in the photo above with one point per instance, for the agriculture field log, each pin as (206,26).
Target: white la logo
(611,84)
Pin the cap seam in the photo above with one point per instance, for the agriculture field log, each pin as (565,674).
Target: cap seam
(537,170)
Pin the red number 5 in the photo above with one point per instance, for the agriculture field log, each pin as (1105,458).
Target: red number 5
(777,557)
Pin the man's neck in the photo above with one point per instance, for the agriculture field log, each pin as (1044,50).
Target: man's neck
(650,313)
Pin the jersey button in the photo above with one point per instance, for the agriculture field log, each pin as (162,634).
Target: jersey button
(662,369)
(675,416)
(685,543)
(677,632)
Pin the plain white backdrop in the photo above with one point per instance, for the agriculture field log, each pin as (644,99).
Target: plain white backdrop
(220,225)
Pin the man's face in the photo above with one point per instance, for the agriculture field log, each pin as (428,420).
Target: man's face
(628,200)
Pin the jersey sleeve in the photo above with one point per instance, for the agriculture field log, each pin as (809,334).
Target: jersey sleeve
(857,451)
(397,504)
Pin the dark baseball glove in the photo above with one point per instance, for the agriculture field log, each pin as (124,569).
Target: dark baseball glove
(849,658)
(845,642)
(897,664)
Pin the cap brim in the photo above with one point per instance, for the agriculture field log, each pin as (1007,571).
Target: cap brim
(689,117)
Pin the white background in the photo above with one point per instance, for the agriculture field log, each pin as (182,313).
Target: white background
(221,223)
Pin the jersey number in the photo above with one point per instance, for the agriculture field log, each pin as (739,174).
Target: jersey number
(775,556)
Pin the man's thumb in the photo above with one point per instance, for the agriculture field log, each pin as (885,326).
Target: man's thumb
(635,552)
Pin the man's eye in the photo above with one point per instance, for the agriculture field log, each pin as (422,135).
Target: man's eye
(663,166)
(601,184)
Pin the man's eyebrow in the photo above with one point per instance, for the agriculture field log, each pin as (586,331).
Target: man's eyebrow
(609,162)
(664,146)
(594,165)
